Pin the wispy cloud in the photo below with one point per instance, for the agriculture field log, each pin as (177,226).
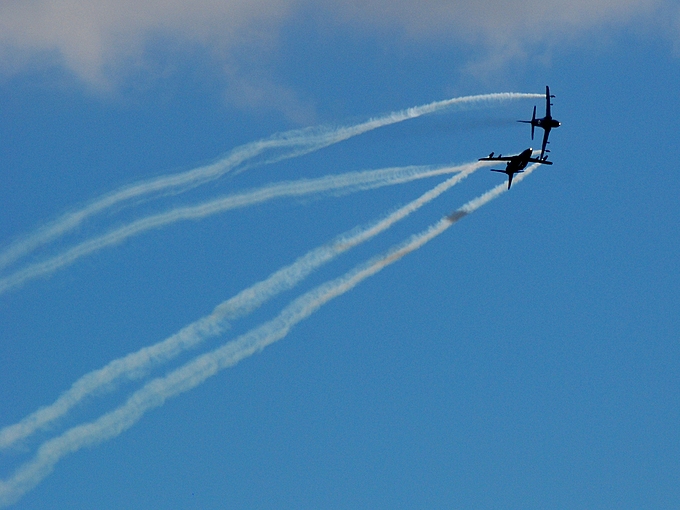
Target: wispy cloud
(492,21)
(94,38)
(90,36)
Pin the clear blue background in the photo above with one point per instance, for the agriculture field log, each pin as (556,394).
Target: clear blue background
(527,358)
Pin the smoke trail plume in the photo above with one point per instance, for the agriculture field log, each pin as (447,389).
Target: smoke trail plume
(136,364)
(156,392)
(293,143)
(349,182)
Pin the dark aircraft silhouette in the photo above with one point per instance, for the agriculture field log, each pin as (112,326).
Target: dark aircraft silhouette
(516,164)
(547,122)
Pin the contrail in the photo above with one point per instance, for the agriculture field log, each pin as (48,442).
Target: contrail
(348,182)
(299,142)
(156,392)
(137,364)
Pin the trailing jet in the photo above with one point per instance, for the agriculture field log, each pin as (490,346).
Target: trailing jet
(547,122)
(516,164)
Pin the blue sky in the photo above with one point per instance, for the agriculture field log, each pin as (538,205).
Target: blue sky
(525,358)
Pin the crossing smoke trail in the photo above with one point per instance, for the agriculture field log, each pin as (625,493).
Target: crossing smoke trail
(136,364)
(348,182)
(302,141)
(156,392)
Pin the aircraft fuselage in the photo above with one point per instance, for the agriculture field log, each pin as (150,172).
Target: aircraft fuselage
(518,162)
(547,123)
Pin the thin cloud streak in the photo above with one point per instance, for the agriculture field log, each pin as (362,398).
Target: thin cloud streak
(94,38)
(348,183)
(100,38)
(296,142)
(137,364)
(493,23)
(156,392)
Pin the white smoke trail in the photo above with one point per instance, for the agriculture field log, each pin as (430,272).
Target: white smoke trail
(156,392)
(136,364)
(299,141)
(348,182)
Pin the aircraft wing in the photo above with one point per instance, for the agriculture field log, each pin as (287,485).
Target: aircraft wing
(547,101)
(541,161)
(497,158)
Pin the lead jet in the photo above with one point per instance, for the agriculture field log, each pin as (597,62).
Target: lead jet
(547,122)
(516,164)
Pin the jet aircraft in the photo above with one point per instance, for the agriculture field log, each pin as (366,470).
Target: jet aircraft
(516,164)
(547,122)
